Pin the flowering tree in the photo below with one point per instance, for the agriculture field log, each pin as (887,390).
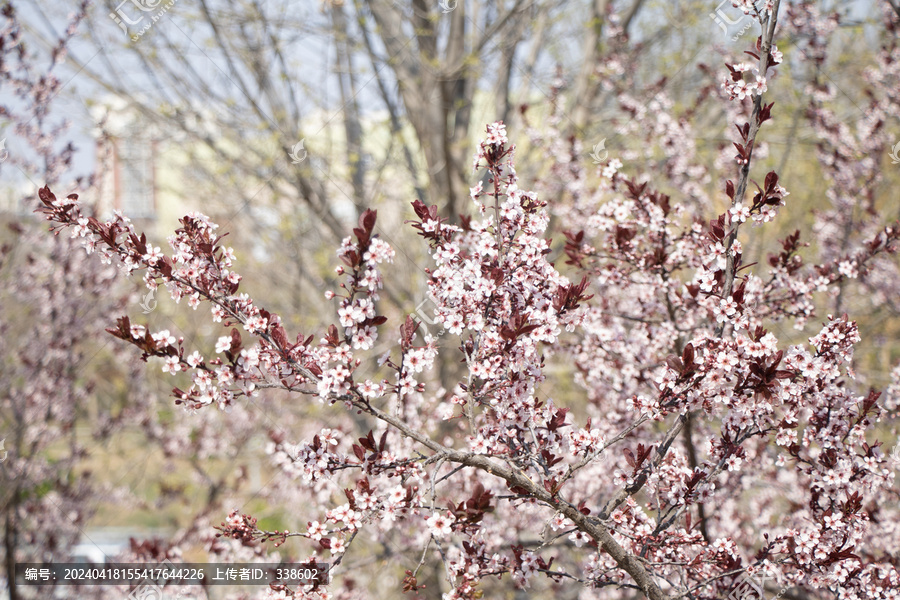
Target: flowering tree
(49,323)
(64,398)
(708,455)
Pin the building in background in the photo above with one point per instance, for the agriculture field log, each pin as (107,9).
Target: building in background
(130,171)
(126,161)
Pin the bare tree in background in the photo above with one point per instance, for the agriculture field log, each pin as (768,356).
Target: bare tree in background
(243,71)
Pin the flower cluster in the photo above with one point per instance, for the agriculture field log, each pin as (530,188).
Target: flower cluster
(745,80)
(200,268)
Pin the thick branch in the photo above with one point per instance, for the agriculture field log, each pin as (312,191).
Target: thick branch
(628,562)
